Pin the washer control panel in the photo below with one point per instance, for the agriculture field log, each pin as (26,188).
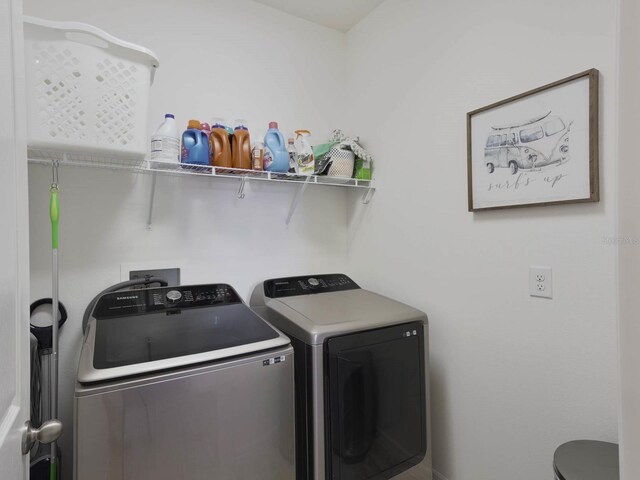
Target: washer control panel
(154,300)
(307,285)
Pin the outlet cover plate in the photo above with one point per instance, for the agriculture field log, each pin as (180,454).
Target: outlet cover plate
(540,282)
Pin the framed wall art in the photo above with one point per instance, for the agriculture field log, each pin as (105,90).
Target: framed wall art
(536,148)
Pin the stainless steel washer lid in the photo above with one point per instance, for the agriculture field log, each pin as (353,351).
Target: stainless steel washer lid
(336,306)
(142,331)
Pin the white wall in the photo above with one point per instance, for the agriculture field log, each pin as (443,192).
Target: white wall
(513,376)
(629,238)
(218,58)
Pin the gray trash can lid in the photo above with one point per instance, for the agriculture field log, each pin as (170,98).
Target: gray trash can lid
(587,460)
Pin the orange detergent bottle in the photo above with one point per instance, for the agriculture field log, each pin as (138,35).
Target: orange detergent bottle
(219,145)
(241,146)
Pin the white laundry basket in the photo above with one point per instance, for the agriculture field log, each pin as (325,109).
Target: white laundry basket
(87,92)
(342,162)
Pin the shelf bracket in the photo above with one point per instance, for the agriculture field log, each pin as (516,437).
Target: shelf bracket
(241,194)
(368,195)
(151,199)
(297,197)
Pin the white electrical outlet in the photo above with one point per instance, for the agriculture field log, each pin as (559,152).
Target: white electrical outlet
(540,284)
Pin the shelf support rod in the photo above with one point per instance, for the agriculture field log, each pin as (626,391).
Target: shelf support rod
(151,199)
(368,195)
(243,180)
(297,197)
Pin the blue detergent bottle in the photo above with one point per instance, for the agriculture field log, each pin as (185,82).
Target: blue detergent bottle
(195,145)
(274,141)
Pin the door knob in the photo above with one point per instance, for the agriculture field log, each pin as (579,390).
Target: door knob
(48,432)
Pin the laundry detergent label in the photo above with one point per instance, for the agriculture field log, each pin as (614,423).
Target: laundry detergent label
(306,164)
(267,158)
(165,148)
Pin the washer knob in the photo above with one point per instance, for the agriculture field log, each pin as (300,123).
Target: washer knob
(174,296)
(313,282)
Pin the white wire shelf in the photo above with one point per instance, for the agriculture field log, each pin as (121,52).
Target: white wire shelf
(155,168)
(170,168)
(45,157)
(84,159)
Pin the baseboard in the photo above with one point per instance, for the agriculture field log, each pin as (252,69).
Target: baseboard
(438,476)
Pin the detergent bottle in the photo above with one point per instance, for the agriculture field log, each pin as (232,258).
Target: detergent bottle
(206,129)
(195,149)
(241,146)
(275,144)
(165,141)
(219,144)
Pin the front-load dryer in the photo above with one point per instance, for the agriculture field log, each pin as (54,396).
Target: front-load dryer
(362,378)
(183,383)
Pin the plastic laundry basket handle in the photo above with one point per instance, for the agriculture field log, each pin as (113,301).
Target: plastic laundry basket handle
(77,27)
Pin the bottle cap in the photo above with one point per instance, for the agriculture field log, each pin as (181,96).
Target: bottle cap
(169,115)
(194,124)
(240,124)
(205,127)
(218,122)
(273,124)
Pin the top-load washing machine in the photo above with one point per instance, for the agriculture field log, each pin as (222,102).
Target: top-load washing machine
(183,383)
(362,378)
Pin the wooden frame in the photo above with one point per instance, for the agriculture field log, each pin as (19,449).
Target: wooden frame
(517,146)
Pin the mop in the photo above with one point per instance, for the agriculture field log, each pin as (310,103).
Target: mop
(54,211)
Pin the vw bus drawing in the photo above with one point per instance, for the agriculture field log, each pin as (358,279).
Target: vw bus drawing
(529,145)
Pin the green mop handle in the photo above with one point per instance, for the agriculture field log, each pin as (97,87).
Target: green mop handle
(54,211)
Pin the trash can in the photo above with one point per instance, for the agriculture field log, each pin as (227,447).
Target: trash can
(586,460)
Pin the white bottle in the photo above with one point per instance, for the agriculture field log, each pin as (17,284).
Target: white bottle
(304,153)
(165,142)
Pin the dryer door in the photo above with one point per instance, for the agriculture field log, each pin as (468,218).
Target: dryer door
(376,412)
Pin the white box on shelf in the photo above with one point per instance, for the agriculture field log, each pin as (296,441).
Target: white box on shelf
(87,92)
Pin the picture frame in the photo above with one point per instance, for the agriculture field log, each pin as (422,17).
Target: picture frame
(537,148)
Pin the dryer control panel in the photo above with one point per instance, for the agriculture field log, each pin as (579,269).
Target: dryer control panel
(307,285)
(153,300)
